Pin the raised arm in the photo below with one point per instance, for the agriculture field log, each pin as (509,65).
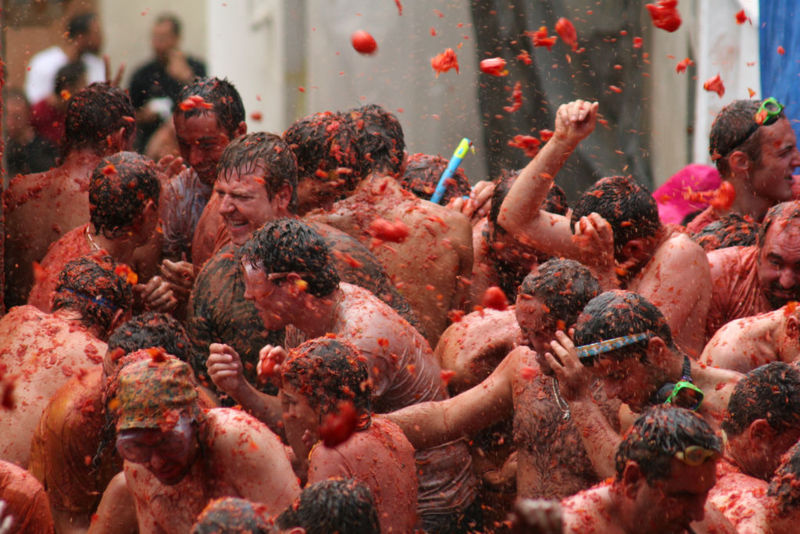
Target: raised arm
(521,213)
(429,424)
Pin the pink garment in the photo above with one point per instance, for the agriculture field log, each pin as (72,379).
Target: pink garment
(671,197)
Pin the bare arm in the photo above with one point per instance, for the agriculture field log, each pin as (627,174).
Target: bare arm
(599,438)
(116,512)
(520,213)
(429,424)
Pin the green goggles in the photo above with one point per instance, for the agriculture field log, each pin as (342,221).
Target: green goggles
(685,395)
(768,113)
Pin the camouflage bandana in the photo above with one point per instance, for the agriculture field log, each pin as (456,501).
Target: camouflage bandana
(154,392)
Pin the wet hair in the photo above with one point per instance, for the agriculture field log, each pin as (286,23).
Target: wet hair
(380,139)
(335,505)
(290,245)
(94,114)
(326,371)
(731,230)
(556,201)
(96,287)
(232,515)
(657,435)
(783,486)
(120,187)
(770,392)
(222,95)
(620,313)
(259,152)
(782,213)
(68,76)
(564,287)
(628,207)
(728,130)
(325,146)
(80,24)
(172,19)
(422,175)
(149,330)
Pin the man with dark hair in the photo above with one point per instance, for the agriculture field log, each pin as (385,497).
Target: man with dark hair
(48,116)
(499,259)
(83,42)
(552,462)
(155,85)
(755,150)
(123,214)
(40,208)
(422,174)
(76,426)
(325,382)
(730,230)
(178,456)
(256,184)
(343,506)
(26,151)
(291,279)
(425,248)
(626,343)
(45,350)
(751,280)
(664,469)
(204,127)
(617,232)
(231,515)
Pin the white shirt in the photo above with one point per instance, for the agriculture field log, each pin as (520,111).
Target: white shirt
(40,79)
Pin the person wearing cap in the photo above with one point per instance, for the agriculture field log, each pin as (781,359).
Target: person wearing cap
(178,457)
(625,342)
(41,351)
(663,472)
(748,281)
(614,229)
(754,148)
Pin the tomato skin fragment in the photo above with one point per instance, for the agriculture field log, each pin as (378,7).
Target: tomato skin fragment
(665,15)
(566,30)
(445,61)
(494,66)
(724,196)
(715,85)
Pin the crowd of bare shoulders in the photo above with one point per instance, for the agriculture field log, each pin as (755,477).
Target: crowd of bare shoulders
(266,332)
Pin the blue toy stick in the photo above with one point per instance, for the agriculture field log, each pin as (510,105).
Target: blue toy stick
(455,161)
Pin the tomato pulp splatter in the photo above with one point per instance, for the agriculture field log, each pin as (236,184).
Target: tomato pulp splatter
(715,85)
(566,30)
(445,61)
(494,66)
(665,15)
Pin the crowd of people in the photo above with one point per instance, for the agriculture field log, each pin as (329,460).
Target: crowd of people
(280,332)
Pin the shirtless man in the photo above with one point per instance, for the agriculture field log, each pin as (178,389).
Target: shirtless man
(256,183)
(74,426)
(627,344)
(44,350)
(499,259)
(552,462)
(343,506)
(23,502)
(178,457)
(123,213)
(99,123)
(617,232)
(747,281)
(747,343)
(756,152)
(428,253)
(290,277)
(664,469)
(323,380)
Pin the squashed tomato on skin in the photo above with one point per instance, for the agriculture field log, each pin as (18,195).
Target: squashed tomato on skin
(724,196)
(445,61)
(338,427)
(395,232)
(363,42)
(566,30)
(665,15)
(494,298)
(715,85)
(494,66)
